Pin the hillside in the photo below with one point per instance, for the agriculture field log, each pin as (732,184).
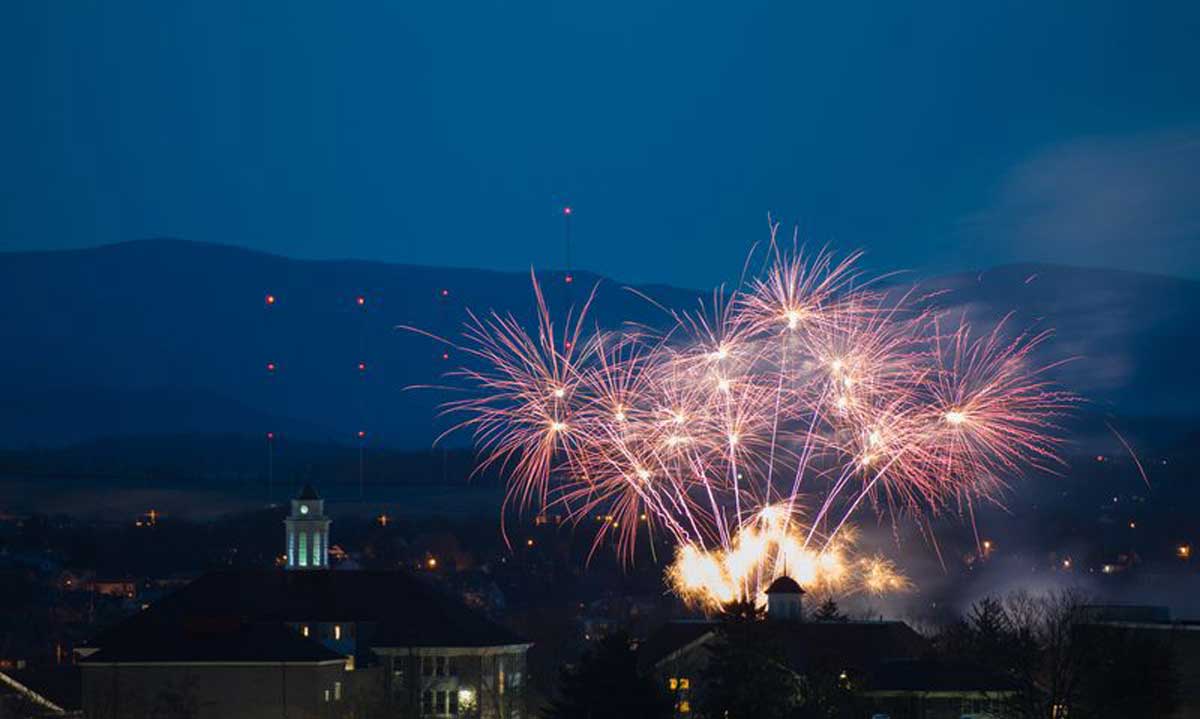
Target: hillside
(172,337)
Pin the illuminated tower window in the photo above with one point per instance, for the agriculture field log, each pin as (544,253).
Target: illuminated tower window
(304,549)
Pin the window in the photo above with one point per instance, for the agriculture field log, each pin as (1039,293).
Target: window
(453,699)
(685,707)
(441,702)
(337,691)
(326,695)
(451,667)
(426,702)
(427,666)
(291,548)
(337,631)
(684,684)
(304,630)
(303,549)
(672,684)
(316,558)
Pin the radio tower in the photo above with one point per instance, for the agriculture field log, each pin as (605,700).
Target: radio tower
(569,276)
(269,301)
(360,304)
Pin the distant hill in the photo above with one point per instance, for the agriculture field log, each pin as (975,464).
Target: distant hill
(174,337)
(171,337)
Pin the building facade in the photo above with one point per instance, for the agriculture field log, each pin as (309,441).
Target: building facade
(305,641)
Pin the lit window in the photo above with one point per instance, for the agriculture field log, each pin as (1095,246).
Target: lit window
(349,662)
(303,549)
(304,630)
(326,695)
(685,707)
(672,683)
(337,631)
(684,683)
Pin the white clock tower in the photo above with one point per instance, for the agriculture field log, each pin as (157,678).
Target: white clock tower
(307,532)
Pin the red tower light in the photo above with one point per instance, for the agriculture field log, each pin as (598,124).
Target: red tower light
(270,436)
(445,293)
(361,434)
(570,278)
(361,301)
(445,355)
(270,299)
(567,210)
(362,366)
(271,367)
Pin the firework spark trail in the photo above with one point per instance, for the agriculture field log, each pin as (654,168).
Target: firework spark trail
(802,390)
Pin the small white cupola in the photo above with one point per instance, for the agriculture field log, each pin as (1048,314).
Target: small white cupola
(307,532)
(785,600)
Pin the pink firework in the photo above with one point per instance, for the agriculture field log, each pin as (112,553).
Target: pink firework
(754,428)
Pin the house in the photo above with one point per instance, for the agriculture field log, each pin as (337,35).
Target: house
(886,659)
(306,641)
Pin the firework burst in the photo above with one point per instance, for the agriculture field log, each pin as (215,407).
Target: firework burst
(754,428)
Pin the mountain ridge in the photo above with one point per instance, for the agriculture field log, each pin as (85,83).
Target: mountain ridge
(188,319)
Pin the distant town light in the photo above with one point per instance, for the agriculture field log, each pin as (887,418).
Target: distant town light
(1183,551)
(361,300)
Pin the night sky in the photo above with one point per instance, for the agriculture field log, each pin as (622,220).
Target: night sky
(937,137)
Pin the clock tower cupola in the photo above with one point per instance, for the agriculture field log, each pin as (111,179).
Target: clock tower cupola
(307,532)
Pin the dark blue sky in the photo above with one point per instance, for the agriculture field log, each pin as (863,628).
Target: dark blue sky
(940,137)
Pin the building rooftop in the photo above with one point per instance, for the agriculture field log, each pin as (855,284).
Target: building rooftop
(784,585)
(403,611)
(853,645)
(209,640)
(57,685)
(308,492)
(927,675)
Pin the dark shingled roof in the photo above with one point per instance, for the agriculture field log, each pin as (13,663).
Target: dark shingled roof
(209,641)
(59,685)
(403,611)
(927,675)
(670,638)
(784,585)
(308,492)
(860,646)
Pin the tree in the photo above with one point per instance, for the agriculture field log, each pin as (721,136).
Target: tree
(606,684)
(829,612)
(1056,658)
(747,674)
